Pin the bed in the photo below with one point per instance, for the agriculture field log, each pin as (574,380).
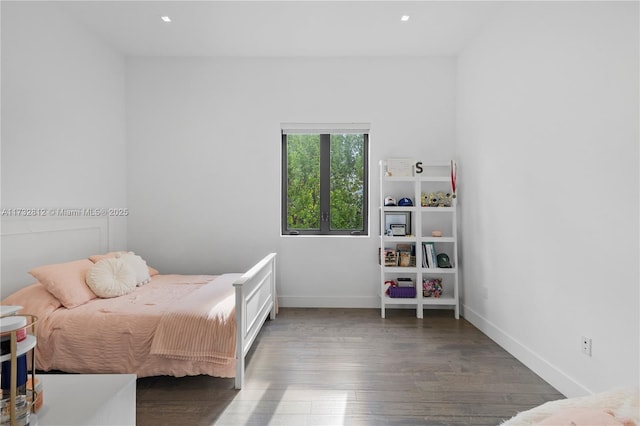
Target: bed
(617,406)
(165,324)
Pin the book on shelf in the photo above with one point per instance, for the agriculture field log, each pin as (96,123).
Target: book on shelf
(433,256)
(425,261)
(429,255)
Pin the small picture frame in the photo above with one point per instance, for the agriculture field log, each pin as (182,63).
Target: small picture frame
(398,230)
(399,167)
(397,218)
(390,257)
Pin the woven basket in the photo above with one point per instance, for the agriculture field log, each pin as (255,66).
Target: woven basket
(402,292)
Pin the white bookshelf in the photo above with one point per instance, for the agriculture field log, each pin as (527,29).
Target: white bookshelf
(434,178)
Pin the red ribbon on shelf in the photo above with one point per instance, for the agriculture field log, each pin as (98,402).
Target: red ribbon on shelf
(453,178)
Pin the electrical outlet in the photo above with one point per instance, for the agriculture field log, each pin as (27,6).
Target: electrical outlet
(586,345)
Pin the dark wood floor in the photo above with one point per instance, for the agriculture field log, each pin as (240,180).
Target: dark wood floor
(350,367)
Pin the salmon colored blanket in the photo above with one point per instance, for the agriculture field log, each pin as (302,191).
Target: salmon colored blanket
(202,327)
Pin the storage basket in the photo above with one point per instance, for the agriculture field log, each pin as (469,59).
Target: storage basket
(402,292)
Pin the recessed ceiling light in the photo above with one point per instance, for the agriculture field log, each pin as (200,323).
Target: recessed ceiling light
(165,18)
(404,18)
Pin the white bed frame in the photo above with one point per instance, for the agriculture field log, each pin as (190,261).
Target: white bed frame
(28,242)
(255,299)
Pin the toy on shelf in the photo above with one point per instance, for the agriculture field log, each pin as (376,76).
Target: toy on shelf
(432,287)
(436,199)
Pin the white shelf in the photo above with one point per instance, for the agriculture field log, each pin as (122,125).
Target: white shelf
(399,178)
(6,310)
(399,269)
(443,300)
(439,270)
(388,300)
(400,239)
(403,208)
(435,177)
(439,300)
(438,239)
(437,209)
(23,347)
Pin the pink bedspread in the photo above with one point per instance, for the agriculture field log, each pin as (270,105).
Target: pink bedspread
(175,325)
(202,327)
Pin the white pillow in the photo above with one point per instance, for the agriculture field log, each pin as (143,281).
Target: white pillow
(111,278)
(139,266)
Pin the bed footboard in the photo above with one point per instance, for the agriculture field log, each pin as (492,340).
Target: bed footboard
(255,300)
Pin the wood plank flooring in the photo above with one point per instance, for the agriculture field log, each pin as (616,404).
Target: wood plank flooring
(350,367)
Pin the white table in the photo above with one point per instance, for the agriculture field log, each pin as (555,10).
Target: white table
(87,399)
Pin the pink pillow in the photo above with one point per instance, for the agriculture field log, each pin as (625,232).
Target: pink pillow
(152,271)
(98,257)
(66,281)
(35,300)
(583,417)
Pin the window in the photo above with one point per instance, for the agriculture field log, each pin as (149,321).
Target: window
(324,182)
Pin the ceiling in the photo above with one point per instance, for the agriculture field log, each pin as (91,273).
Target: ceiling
(283,28)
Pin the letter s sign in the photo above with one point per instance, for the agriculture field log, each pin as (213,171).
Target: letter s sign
(419,167)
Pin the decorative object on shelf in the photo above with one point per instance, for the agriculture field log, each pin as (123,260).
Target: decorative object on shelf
(388,284)
(397,218)
(389,201)
(405,202)
(454,176)
(399,167)
(436,199)
(432,287)
(444,199)
(404,259)
(402,292)
(390,257)
(405,282)
(443,260)
(398,230)
(436,233)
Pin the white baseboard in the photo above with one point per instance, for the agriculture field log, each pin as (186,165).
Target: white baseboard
(549,372)
(328,302)
(341,302)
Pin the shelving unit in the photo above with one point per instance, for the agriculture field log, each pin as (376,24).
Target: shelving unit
(423,220)
(20,406)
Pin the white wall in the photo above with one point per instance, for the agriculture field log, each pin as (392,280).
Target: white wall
(548,152)
(204,160)
(63,128)
(547,143)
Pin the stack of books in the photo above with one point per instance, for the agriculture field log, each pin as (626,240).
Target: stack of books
(429,256)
